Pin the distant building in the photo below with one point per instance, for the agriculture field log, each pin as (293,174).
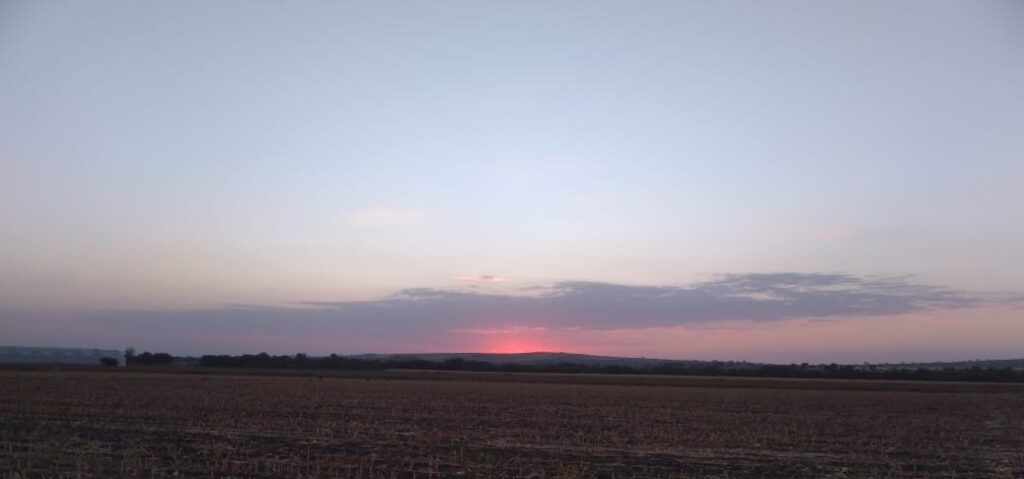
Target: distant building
(79,356)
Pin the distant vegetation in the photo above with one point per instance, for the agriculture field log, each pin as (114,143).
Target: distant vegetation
(820,371)
(147,358)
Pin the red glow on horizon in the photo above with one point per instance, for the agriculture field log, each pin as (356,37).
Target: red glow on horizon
(515,345)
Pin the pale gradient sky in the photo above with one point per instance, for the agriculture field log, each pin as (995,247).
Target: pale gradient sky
(165,164)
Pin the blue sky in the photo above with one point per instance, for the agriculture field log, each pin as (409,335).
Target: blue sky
(160,159)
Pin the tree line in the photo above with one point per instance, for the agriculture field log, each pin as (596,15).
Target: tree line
(147,358)
(715,368)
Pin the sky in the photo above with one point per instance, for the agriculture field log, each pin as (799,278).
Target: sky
(771,181)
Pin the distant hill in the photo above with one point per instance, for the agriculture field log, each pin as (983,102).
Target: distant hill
(79,356)
(548,362)
(546,358)
(979,363)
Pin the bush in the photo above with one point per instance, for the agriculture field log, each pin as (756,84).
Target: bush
(151,359)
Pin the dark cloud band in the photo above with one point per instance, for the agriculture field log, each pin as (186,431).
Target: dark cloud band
(594,305)
(425,318)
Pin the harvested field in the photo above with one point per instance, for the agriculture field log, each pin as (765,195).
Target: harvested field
(138,424)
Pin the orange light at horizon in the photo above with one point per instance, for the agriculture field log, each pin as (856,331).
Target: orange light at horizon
(515,345)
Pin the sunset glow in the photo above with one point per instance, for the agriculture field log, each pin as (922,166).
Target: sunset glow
(515,339)
(679,179)
(519,345)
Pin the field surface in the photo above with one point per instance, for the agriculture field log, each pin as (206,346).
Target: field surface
(415,424)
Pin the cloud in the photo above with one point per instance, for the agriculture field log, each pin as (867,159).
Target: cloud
(431,319)
(482,278)
(595,305)
(503,330)
(376,217)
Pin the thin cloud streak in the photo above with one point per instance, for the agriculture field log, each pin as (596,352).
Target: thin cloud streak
(482,278)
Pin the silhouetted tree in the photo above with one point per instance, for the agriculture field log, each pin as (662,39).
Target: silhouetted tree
(151,359)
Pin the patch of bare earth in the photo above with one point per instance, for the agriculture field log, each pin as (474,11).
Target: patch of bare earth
(92,424)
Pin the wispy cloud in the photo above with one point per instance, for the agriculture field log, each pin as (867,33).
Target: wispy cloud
(375,217)
(482,278)
(503,330)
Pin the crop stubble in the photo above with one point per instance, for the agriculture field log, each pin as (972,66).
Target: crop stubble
(131,424)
